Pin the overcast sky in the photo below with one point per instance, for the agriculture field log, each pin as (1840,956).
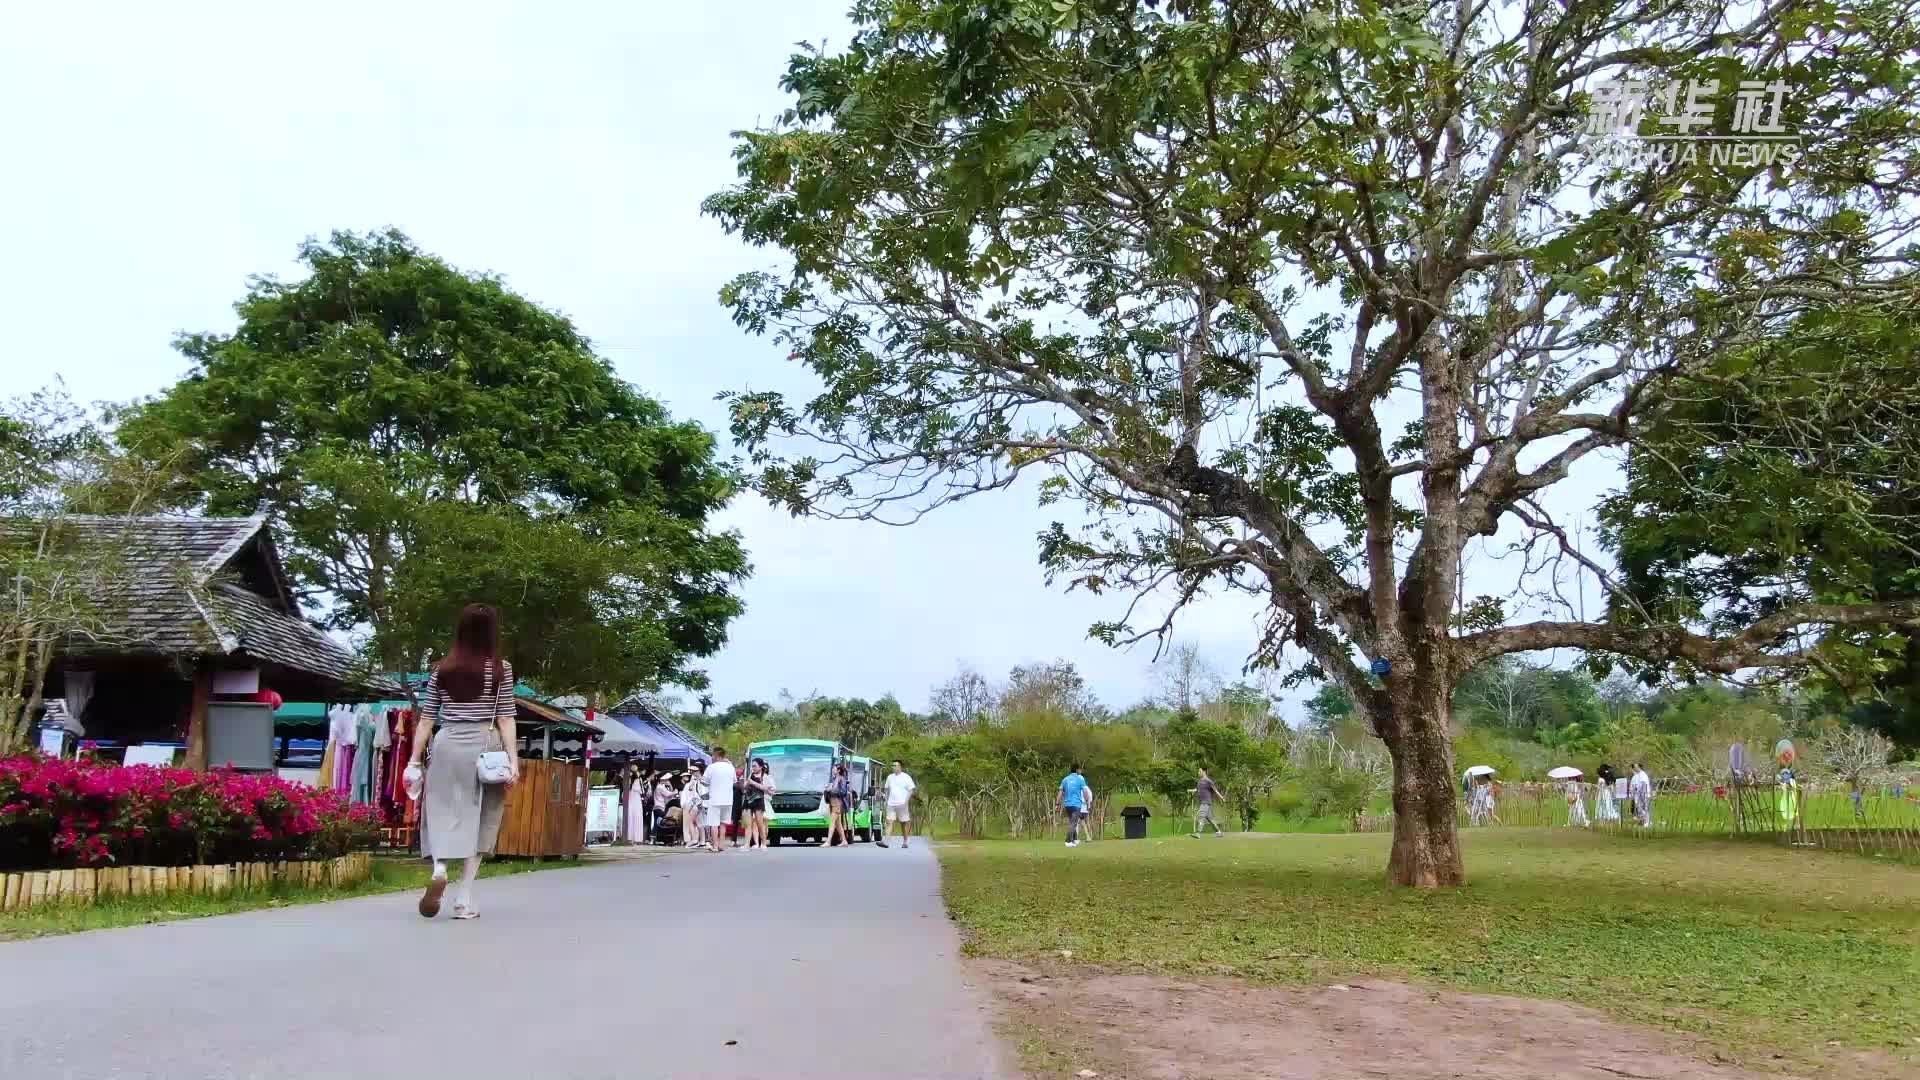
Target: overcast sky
(156,156)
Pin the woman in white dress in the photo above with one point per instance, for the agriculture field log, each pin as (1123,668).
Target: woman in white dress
(1603,805)
(1576,805)
(1480,803)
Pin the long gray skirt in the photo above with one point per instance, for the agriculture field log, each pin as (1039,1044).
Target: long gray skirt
(459,815)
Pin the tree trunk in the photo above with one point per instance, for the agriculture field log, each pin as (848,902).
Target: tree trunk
(1426,841)
(196,757)
(36,687)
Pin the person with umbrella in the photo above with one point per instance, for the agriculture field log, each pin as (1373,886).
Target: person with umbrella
(1576,801)
(1480,801)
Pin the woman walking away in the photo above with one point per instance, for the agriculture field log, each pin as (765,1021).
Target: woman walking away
(1480,803)
(469,699)
(1604,808)
(1576,804)
(839,797)
(759,787)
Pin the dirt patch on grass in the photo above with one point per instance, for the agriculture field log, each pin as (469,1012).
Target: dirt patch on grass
(1136,1027)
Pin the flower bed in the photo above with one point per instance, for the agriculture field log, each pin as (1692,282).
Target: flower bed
(58,814)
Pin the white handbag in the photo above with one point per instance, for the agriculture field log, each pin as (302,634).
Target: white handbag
(495,767)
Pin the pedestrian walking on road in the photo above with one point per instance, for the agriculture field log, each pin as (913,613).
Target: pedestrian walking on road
(469,700)
(1205,793)
(1073,802)
(900,802)
(719,784)
(839,802)
(759,789)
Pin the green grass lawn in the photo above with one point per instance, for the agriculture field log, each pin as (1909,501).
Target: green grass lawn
(389,875)
(1760,949)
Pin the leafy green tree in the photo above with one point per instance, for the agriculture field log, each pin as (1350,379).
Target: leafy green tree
(1173,781)
(57,462)
(1196,262)
(1247,707)
(741,711)
(962,768)
(1329,707)
(1334,790)
(858,722)
(962,701)
(1057,687)
(425,437)
(1247,768)
(1758,496)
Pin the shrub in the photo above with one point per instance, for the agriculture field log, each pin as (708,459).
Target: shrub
(57,814)
(1289,800)
(1335,790)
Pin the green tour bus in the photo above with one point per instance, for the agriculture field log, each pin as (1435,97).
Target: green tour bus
(869,821)
(802,769)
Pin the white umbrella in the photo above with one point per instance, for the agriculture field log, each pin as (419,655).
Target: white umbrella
(1481,770)
(1564,772)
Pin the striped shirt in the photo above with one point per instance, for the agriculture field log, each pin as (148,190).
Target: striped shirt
(493,704)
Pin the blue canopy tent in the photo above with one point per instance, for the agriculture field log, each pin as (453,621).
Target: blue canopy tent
(675,743)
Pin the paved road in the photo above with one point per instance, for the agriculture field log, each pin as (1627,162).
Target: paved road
(831,964)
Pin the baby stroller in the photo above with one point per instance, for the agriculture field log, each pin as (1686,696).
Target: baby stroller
(666,826)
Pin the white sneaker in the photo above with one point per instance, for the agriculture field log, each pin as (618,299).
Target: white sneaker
(1073,843)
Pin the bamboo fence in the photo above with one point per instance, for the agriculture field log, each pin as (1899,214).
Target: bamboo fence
(20,891)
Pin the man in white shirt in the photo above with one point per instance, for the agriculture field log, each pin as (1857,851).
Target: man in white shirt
(899,802)
(719,779)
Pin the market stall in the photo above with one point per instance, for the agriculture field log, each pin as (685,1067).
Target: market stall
(545,813)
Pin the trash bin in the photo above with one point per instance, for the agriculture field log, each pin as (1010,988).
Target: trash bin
(1136,817)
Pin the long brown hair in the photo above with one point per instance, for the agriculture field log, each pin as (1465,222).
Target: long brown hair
(475,654)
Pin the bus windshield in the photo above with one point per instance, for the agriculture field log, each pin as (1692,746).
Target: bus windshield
(797,768)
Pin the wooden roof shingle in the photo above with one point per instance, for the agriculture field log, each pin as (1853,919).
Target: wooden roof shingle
(202,587)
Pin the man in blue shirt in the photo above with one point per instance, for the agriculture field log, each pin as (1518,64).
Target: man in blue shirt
(1073,800)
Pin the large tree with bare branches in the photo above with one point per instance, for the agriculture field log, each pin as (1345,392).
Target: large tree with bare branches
(1298,297)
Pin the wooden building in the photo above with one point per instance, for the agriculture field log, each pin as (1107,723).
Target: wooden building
(194,606)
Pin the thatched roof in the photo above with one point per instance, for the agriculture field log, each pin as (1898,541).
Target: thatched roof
(204,587)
